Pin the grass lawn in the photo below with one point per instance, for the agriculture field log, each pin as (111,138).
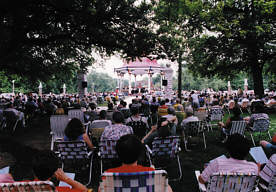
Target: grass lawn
(195,159)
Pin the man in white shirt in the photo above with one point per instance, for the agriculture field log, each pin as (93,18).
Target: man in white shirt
(195,102)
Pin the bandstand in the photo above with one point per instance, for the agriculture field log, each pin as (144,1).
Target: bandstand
(144,66)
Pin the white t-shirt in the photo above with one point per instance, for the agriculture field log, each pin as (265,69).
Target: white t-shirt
(195,98)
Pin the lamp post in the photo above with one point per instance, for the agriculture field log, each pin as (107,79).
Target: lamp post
(40,89)
(229,88)
(13,86)
(64,89)
(245,86)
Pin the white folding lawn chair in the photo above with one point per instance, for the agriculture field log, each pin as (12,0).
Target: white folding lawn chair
(229,182)
(58,124)
(149,181)
(78,113)
(260,125)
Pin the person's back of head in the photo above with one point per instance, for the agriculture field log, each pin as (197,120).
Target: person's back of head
(124,104)
(134,110)
(236,111)
(110,106)
(102,114)
(238,146)
(118,117)
(163,130)
(45,164)
(162,102)
(171,111)
(215,102)
(74,129)
(129,148)
(189,111)
(92,106)
(259,107)
(179,108)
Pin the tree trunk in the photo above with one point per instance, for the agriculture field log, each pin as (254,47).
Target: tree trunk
(257,76)
(179,77)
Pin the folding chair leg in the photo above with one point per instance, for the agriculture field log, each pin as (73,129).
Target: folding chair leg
(180,170)
(252,139)
(185,143)
(101,166)
(204,140)
(269,134)
(52,145)
(186,148)
(90,170)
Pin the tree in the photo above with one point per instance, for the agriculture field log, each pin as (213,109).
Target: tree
(100,82)
(230,36)
(172,42)
(45,39)
(225,37)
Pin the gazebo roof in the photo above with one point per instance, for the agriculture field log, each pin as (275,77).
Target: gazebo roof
(142,63)
(140,66)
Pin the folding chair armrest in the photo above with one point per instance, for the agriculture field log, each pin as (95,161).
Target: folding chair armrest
(201,186)
(87,125)
(148,149)
(262,186)
(178,148)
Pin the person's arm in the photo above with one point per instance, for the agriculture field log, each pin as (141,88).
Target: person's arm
(88,141)
(172,119)
(208,171)
(227,124)
(201,180)
(60,175)
(153,128)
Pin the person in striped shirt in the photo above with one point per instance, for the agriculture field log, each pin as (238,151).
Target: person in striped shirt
(238,148)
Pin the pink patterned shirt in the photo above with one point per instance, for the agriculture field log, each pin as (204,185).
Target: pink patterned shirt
(115,131)
(229,166)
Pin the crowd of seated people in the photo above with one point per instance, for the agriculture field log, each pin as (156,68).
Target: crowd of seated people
(160,119)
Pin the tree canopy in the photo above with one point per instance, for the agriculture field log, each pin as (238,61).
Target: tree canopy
(44,39)
(225,37)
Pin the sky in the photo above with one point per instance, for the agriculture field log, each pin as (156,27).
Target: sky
(109,65)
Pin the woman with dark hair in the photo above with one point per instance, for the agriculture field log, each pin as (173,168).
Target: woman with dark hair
(235,117)
(74,131)
(228,124)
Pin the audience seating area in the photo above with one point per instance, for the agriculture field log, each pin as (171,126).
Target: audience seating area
(164,150)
